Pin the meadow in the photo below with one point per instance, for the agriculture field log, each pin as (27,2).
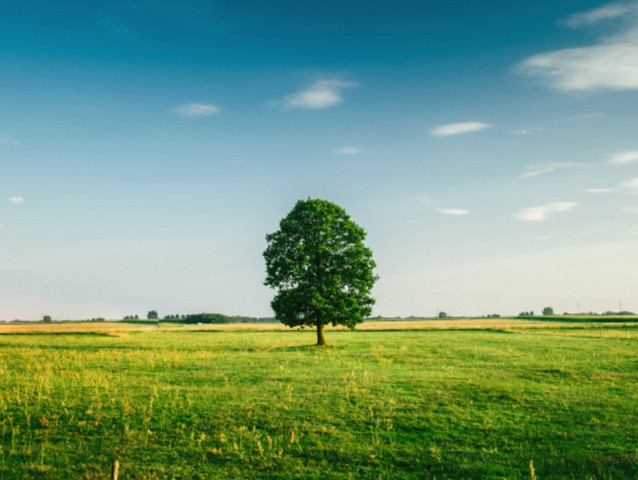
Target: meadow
(454,399)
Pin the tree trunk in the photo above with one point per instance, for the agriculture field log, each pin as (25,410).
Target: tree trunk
(320,338)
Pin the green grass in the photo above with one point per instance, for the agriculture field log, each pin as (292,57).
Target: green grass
(444,404)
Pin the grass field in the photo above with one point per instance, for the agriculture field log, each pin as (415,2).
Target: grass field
(457,399)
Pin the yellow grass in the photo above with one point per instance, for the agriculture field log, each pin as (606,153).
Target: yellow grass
(119,328)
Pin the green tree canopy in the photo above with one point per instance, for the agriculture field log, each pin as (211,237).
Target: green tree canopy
(321,267)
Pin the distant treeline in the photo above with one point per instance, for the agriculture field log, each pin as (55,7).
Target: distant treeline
(585,317)
(221,318)
(194,318)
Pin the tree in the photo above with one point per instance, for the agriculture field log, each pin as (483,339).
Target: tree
(152,315)
(442,315)
(321,267)
(46,318)
(548,311)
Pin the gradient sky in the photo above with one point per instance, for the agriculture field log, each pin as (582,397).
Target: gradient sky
(489,149)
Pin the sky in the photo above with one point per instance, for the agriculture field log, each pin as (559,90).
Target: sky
(489,150)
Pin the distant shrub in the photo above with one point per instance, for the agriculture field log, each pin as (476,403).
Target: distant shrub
(442,315)
(206,318)
(618,314)
(152,315)
(46,318)
(548,311)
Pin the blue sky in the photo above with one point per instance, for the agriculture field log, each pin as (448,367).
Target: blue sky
(489,149)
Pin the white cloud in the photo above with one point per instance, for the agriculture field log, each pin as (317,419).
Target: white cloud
(632,231)
(609,64)
(541,237)
(522,131)
(423,199)
(453,211)
(541,212)
(630,210)
(16,199)
(535,170)
(450,129)
(348,151)
(322,94)
(196,110)
(625,157)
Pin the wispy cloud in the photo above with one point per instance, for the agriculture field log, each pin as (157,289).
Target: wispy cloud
(588,115)
(630,210)
(541,237)
(16,199)
(196,110)
(8,141)
(348,151)
(630,185)
(606,12)
(427,202)
(622,158)
(522,131)
(536,170)
(542,212)
(453,211)
(451,129)
(598,190)
(632,231)
(321,94)
(609,64)
(593,231)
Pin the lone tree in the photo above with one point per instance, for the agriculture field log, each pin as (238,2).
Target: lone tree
(321,267)
(548,311)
